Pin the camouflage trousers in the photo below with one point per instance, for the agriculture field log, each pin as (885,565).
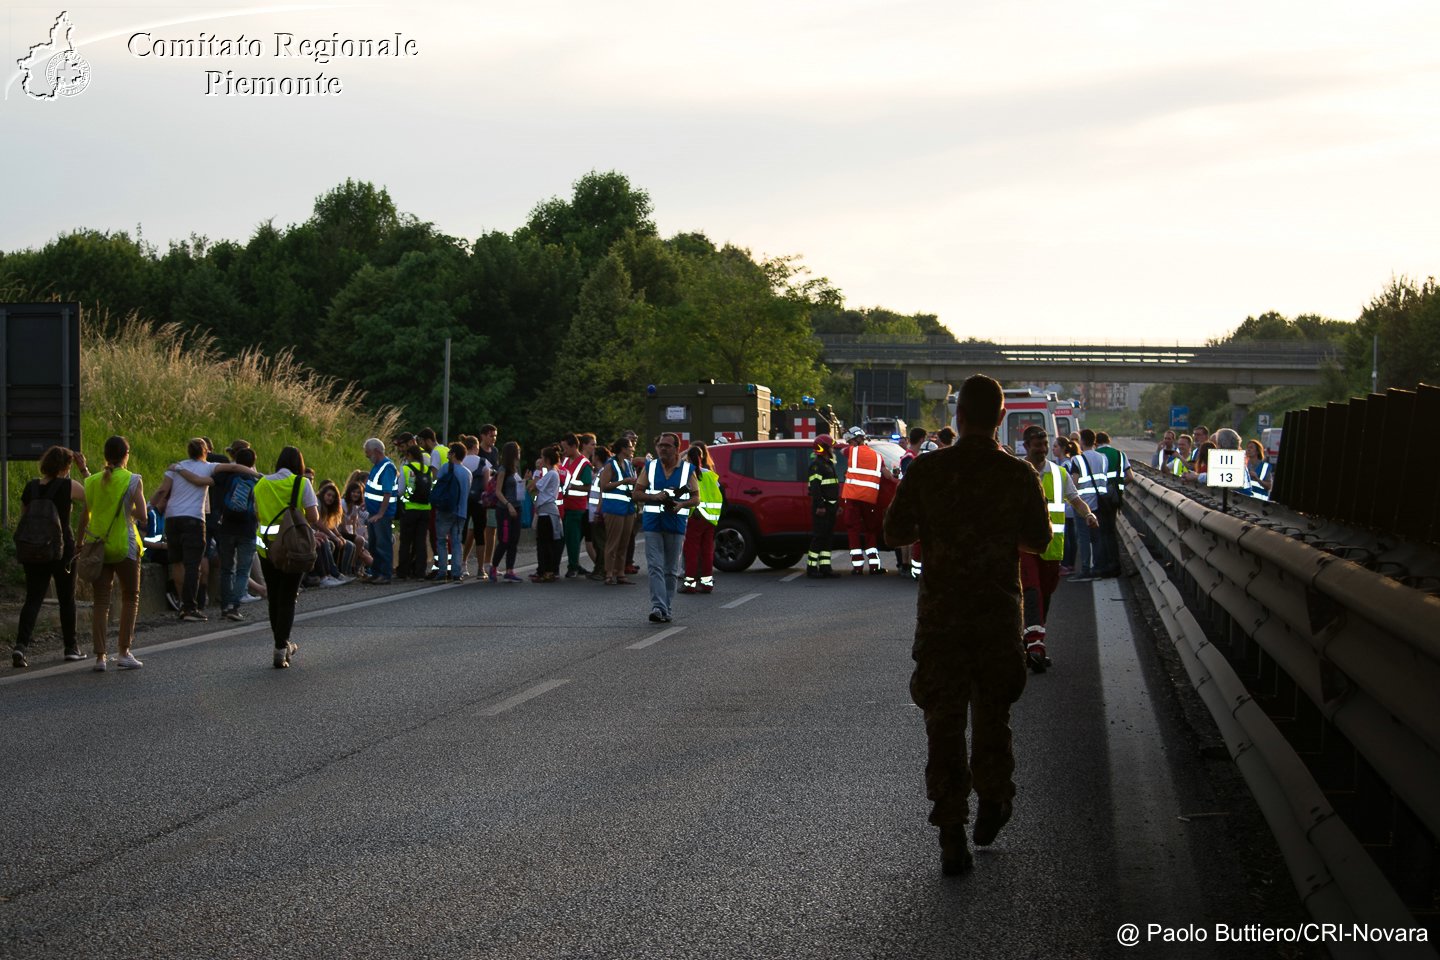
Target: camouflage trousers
(969,690)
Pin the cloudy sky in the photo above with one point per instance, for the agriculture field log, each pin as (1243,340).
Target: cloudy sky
(1028,170)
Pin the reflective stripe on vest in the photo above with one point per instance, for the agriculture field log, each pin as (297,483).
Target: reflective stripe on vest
(1055,494)
(272,498)
(413,470)
(1256,488)
(862,475)
(1090,482)
(618,501)
(575,494)
(375,491)
(652,485)
(711,499)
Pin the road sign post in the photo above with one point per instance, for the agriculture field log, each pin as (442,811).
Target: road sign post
(1179,418)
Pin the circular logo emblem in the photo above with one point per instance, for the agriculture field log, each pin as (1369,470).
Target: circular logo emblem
(68,73)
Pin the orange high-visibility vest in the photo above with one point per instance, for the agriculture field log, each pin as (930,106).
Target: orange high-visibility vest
(862,475)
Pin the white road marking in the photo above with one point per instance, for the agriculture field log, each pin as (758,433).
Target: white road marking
(256,627)
(739,600)
(1155,853)
(655,639)
(519,698)
(797,573)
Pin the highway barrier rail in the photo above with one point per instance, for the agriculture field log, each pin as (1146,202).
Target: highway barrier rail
(1336,722)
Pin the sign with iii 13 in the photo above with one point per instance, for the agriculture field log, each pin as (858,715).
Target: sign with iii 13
(1225,468)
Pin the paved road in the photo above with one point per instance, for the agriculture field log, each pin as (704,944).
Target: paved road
(535,771)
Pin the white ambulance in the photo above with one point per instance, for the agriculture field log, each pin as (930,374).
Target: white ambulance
(1026,407)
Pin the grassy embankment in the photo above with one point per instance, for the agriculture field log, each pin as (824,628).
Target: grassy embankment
(158,388)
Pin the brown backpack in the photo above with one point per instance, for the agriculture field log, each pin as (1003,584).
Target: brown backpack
(292,548)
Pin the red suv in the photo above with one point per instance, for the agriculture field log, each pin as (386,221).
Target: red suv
(767,499)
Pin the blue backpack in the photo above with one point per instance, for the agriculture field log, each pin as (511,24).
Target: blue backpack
(445,494)
(240,499)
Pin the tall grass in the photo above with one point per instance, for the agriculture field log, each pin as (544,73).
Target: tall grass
(158,386)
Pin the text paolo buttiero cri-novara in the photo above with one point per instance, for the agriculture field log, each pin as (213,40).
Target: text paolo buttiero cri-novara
(279,45)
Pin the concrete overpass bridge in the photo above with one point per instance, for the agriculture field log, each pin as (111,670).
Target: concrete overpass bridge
(1254,364)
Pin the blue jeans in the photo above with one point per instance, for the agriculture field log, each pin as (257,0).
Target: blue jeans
(237,553)
(449,542)
(664,555)
(382,548)
(1087,548)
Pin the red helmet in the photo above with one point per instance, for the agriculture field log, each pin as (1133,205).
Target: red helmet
(824,442)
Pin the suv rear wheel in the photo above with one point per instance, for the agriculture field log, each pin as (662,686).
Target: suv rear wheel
(735,545)
(780,561)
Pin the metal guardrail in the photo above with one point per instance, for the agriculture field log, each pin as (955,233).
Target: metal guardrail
(1278,355)
(1361,647)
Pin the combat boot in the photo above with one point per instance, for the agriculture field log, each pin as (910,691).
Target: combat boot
(991,816)
(955,856)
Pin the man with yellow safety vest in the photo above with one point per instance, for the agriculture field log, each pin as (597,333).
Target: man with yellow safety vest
(414,514)
(860,503)
(824,503)
(700,530)
(1040,573)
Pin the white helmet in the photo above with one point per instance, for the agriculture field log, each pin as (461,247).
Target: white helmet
(855,433)
(929,446)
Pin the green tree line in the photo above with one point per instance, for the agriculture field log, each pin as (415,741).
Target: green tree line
(557,325)
(1400,325)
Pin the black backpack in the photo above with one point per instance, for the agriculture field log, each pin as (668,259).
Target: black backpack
(420,492)
(39,536)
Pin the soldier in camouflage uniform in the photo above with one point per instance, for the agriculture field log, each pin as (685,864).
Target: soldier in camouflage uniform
(970,506)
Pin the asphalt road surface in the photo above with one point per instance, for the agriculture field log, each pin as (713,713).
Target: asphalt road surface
(519,770)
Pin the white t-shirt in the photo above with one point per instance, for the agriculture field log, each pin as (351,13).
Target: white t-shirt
(307,491)
(186,498)
(438,457)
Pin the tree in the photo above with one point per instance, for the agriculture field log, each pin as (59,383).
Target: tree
(602,207)
(386,330)
(1406,318)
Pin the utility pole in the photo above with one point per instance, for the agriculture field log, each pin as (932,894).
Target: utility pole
(445,414)
(1375,365)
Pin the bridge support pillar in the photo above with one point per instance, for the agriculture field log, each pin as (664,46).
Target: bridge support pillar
(1241,399)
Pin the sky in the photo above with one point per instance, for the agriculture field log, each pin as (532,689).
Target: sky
(1027,170)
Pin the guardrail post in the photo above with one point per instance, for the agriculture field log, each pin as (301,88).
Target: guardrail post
(1312,452)
(1337,417)
(1419,497)
(1396,446)
(1372,452)
(1353,467)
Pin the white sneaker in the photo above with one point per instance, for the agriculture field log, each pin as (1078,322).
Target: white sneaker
(102,663)
(331,582)
(283,654)
(127,661)
(250,598)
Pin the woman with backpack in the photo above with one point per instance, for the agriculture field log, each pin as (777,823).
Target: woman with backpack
(282,540)
(116,501)
(45,547)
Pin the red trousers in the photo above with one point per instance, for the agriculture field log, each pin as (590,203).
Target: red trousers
(699,548)
(862,520)
(1038,580)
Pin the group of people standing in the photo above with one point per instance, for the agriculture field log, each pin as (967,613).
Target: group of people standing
(106,545)
(1186,456)
(584,500)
